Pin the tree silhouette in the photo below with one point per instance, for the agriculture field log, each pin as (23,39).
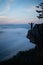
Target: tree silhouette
(35,34)
(40,11)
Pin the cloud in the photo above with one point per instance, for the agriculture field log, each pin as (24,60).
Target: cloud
(7,6)
(7,20)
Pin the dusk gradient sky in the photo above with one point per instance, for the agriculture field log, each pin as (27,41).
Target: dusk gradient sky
(18,11)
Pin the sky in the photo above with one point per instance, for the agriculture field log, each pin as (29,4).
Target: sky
(18,11)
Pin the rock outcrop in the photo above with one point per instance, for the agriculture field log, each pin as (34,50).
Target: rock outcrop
(36,35)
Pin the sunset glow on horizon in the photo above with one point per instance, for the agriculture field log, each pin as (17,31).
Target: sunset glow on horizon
(18,11)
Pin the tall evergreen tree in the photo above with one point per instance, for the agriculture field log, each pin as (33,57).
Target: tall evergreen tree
(40,6)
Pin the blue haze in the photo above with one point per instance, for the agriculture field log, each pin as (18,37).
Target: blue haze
(13,39)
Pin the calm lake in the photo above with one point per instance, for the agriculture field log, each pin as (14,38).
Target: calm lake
(13,39)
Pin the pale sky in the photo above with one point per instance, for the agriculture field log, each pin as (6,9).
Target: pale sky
(18,11)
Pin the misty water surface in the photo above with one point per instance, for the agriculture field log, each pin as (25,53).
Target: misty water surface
(12,41)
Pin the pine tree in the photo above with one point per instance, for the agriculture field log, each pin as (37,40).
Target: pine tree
(40,11)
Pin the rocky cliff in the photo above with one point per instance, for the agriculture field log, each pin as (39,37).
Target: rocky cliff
(36,35)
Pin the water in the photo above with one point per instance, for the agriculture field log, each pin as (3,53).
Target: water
(13,39)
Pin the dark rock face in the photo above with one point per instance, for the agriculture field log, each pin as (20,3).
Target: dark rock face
(36,35)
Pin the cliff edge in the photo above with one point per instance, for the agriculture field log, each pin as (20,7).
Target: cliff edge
(36,35)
